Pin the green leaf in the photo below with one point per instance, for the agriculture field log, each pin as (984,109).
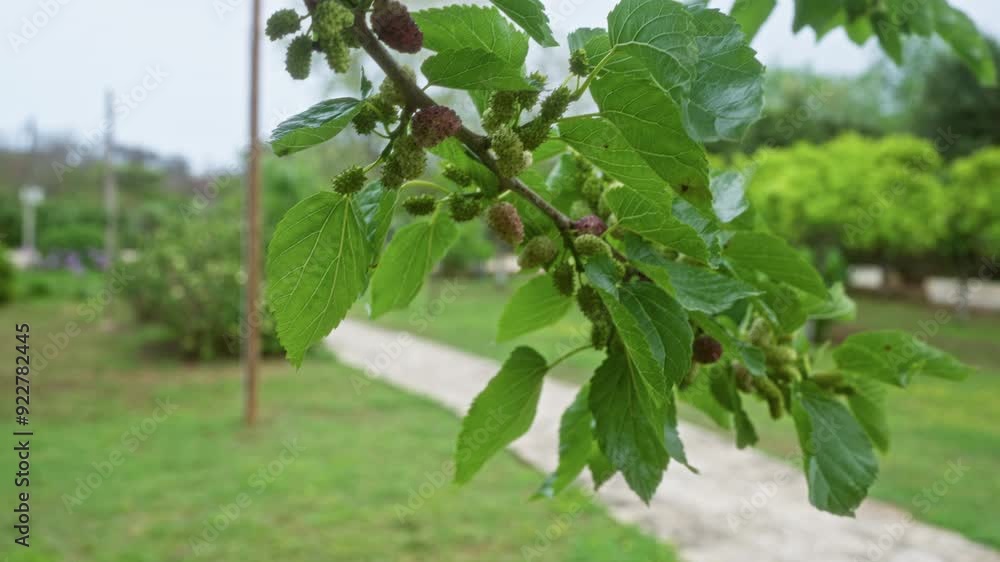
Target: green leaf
(575,443)
(313,126)
(501,413)
(659,33)
(815,13)
(600,467)
(410,257)
(838,459)
(377,205)
(729,199)
(458,27)
(317,266)
(649,213)
(671,435)
(895,357)
(602,144)
(530,15)
(728,94)
(601,273)
(751,15)
(773,257)
(838,306)
(697,288)
(782,305)
(724,390)
(960,32)
(700,396)
(868,405)
(473,69)
(888,36)
(651,122)
(628,424)
(535,305)
(654,308)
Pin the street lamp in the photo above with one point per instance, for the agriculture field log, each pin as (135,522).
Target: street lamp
(31,197)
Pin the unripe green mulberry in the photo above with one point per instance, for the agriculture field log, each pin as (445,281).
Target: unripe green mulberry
(350,180)
(366,120)
(592,190)
(459,176)
(329,18)
(579,209)
(579,65)
(407,161)
(556,104)
(528,98)
(432,125)
(394,25)
(538,252)
(337,53)
(744,378)
(760,333)
(591,305)
(781,354)
(509,152)
(588,245)
(505,221)
(500,110)
(534,133)
(706,350)
(564,279)
(770,392)
(786,373)
(600,332)
(420,205)
(282,23)
(298,58)
(391,93)
(465,208)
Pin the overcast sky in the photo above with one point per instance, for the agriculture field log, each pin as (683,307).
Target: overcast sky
(180,67)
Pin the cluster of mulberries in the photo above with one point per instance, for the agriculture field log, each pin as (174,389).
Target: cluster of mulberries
(508,150)
(505,221)
(407,161)
(420,205)
(432,125)
(528,98)
(331,34)
(706,350)
(465,208)
(350,180)
(590,224)
(394,25)
(770,393)
(564,279)
(500,111)
(540,251)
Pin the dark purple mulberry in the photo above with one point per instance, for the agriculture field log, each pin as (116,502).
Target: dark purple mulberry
(707,350)
(394,25)
(590,224)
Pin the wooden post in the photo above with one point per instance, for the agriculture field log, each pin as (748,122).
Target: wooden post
(110,186)
(253,247)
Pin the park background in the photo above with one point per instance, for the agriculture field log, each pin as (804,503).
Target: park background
(138,357)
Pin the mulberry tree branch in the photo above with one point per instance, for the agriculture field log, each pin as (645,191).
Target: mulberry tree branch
(416,98)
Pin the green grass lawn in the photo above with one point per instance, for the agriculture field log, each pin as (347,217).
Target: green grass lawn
(328,474)
(934,422)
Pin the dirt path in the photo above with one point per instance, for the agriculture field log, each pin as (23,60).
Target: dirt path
(743,506)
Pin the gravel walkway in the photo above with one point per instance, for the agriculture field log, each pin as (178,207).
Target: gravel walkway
(743,506)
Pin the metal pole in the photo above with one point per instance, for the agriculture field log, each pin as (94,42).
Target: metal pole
(253,225)
(110,187)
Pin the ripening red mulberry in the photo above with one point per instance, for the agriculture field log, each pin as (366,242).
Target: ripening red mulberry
(432,125)
(590,224)
(394,25)
(707,350)
(504,220)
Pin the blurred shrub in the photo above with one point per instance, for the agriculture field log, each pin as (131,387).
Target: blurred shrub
(470,252)
(189,278)
(877,199)
(975,185)
(72,237)
(6,277)
(10,221)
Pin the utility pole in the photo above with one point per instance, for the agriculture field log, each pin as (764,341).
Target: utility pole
(253,252)
(110,186)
